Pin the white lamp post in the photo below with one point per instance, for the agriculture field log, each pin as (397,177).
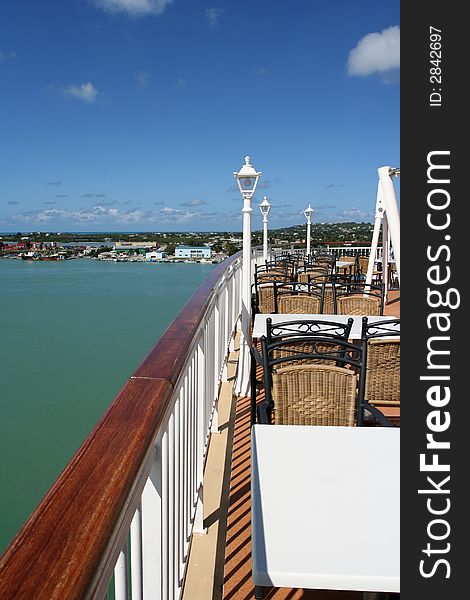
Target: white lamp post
(265,209)
(247,179)
(308,212)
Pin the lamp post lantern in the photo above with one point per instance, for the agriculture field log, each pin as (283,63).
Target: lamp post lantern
(308,212)
(265,208)
(247,179)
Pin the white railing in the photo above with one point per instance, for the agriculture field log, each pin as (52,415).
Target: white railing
(171,507)
(340,250)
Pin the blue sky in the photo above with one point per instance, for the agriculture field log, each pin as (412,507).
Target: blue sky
(131,115)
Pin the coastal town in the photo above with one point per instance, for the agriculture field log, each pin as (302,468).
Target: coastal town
(208,247)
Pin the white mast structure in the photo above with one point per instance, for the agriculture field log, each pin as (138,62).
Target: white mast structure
(387,218)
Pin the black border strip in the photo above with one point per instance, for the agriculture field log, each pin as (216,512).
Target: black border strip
(430,199)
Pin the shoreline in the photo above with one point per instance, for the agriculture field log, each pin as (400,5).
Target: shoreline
(124,260)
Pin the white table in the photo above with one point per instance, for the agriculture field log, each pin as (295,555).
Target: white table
(343,264)
(259,326)
(325,507)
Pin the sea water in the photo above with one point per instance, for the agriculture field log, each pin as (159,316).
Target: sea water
(71,334)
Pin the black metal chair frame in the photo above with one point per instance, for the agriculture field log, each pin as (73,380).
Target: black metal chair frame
(345,353)
(294,329)
(269,267)
(305,327)
(386,327)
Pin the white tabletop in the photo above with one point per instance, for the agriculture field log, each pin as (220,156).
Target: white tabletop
(325,507)
(341,264)
(259,326)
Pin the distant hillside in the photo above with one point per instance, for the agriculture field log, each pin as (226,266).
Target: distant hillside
(320,232)
(326,232)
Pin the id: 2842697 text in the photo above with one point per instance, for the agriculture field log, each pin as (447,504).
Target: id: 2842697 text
(435,70)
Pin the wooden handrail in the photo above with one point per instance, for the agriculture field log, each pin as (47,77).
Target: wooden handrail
(67,549)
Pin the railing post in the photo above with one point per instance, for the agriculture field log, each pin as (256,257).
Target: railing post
(198,525)
(153,529)
(235,303)
(176,492)
(120,575)
(216,366)
(136,555)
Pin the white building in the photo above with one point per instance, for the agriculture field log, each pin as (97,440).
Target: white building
(154,255)
(192,252)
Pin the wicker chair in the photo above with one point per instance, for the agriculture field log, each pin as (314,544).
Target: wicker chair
(263,294)
(363,267)
(289,262)
(359,299)
(280,274)
(328,281)
(299,392)
(382,360)
(298,298)
(312,272)
(323,256)
(264,298)
(271,272)
(347,258)
(314,395)
(358,304)
(352,269)
(325,262)
(393,274)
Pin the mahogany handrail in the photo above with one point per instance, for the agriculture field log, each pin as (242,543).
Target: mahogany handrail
(68,547)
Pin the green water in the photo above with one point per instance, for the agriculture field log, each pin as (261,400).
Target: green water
(71,333)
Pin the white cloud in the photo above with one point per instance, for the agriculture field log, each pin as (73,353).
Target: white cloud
(376,53)
(143,78)
(103,213)
(135,8)
(194,203)
(180,84)
(5,56)
(355,214)
(95,214)
(261,71)
(85,92)
(213,15)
